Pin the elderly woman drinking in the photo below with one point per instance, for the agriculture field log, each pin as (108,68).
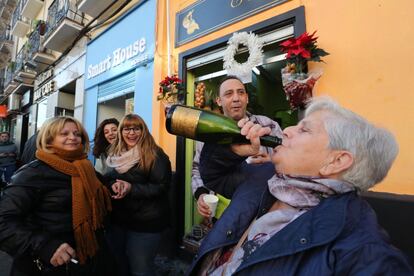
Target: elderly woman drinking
(308,219)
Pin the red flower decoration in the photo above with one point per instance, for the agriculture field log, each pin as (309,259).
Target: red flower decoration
(302,49)
(171,88)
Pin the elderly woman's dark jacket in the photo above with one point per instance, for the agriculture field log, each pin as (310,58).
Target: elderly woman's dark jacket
(146,207)
(36,218)
(340,236)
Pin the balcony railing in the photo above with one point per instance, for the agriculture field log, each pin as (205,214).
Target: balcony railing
(33,44)
(23,3)
(1,84)
(11,2)
(38,56)
(17,14)
(20,76)
(61,9)
(8,76)
(6,36)
(20,58)
(7,7)
(6,12)
(65,24)
(6,47)
(20,25)
(31,8)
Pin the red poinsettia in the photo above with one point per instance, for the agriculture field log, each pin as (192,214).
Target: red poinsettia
(300,50)
(170,88)
(170,80)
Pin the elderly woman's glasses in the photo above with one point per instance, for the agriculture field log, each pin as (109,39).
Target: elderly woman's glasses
(129,129)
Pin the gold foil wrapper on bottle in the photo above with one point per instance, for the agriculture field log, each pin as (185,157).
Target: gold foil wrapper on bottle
(184,121)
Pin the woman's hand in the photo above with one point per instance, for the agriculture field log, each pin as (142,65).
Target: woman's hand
(121,188)
(62,255)
(202,207)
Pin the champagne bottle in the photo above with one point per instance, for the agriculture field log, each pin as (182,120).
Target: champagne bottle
(210,127)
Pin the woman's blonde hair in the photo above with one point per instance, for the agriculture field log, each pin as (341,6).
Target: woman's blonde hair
(147,148)
(52,127)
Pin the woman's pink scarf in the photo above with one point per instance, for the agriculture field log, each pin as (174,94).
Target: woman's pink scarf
(125,161)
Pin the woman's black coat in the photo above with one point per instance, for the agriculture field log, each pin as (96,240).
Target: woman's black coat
(146,207)
(36,218)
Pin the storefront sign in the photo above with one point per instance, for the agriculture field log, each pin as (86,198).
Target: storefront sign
(115,52)
(206,16)
(25,98)
(119,56)
(44,90)
(42,78)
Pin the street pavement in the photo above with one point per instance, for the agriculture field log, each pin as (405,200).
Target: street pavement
(164,266)
(5,263)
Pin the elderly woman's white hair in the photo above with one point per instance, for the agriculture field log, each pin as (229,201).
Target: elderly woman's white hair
(374,149)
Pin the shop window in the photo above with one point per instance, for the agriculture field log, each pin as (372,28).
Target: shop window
(116,107)
(266,96)
(41,113)
(60,111)
(204,64)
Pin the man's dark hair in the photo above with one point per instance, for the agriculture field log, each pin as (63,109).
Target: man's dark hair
(229,77)
(5,132)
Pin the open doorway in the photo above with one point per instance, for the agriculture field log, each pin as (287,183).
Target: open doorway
(266,95)
(116,108)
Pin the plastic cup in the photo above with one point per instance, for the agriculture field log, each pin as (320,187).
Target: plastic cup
(211,201)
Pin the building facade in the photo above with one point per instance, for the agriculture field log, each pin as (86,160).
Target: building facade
(43,51)
(46,65)
(360,37)
(99,59)
(119,68)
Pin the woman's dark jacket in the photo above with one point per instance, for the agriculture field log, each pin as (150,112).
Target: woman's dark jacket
(146,207)
(340,236)
(36,218)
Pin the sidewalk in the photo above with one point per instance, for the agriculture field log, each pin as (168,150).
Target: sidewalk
(5,263)
(164,266)
(170,267)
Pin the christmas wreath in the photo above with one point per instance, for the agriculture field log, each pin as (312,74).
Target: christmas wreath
(254,46)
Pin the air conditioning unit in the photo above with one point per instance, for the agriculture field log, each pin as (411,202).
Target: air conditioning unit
(14,102)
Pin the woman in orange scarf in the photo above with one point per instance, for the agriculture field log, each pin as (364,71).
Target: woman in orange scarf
(52,214)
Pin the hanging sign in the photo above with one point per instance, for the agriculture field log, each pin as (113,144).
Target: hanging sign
(206,16)
(118,56)
(41,78)
(44,90)
(25,98)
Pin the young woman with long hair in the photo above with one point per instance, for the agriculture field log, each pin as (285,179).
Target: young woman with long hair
(105,135)
(139,181)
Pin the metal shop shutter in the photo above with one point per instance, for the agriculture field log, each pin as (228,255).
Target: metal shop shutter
(120,86)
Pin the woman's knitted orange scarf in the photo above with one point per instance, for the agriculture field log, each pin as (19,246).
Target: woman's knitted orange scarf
(91,200)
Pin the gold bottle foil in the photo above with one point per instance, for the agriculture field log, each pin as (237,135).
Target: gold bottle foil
(184,121)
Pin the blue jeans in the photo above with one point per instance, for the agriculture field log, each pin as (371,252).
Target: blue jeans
(134,251)
(8,171)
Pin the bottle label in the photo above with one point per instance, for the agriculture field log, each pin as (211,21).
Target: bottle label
(184,121)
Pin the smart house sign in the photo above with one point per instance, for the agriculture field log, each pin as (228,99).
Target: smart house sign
(133,53)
